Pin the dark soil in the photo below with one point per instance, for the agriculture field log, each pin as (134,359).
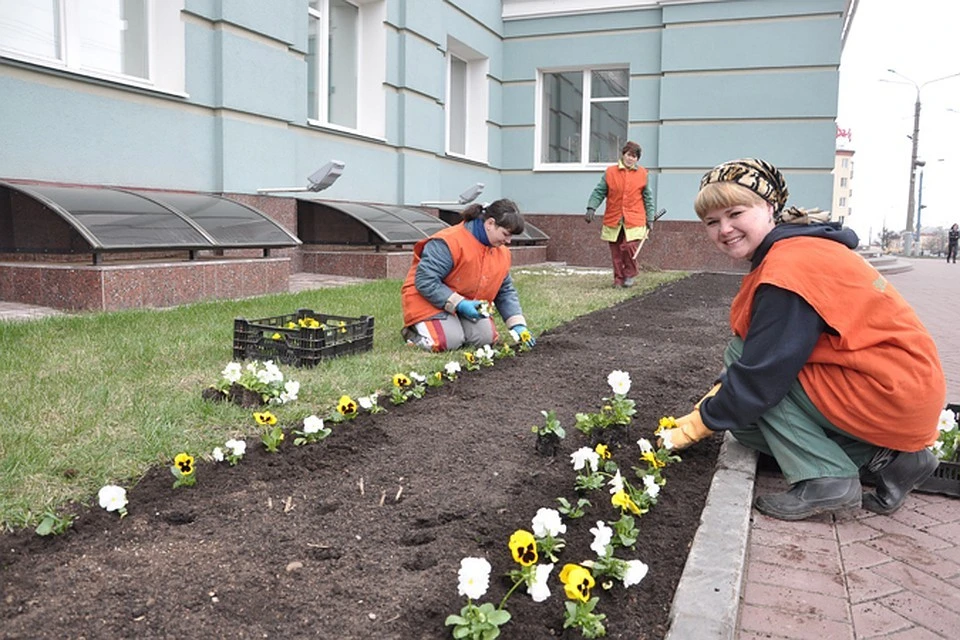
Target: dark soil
(288,546)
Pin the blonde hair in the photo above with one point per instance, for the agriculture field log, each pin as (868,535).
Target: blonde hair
(720,195)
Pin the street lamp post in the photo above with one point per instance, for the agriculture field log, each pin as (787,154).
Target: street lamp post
(915,139)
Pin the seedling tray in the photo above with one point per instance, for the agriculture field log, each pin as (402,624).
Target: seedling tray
(946,479)
(286,339)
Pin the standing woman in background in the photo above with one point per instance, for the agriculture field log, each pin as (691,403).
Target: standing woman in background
(629,214)
(457,269)
(953,237)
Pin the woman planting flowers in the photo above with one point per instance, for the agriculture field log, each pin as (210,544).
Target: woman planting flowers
(830,371)
(453,275)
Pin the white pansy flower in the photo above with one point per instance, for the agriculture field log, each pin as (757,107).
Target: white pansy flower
(232,372)
(650,486)
(645,446)
(452,368)
(312,424)
(474,576)
(417,377)
(616,483)
(667,438)
(218,454)
(636,571)
(619,381)
(547,522)
(366,403)
(602,535)
(292,387)
(585,456)
(112,497)
(947,420)
(237,447)
(540,590)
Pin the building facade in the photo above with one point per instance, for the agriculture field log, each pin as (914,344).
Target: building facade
(421,99)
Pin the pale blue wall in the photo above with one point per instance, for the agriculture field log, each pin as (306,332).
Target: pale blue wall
(709,81)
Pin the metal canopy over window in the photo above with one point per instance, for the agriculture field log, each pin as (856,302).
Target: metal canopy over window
(349,223)
(531,234)
(70,220)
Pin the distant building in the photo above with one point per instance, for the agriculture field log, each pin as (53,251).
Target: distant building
(842,207)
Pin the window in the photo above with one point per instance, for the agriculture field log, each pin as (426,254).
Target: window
(346,50)
(845,162)
(595,101)
(467,99)
(843,202)
(139,42)
(843,182)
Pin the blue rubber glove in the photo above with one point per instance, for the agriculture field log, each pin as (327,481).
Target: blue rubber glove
(519,329)
(469,309)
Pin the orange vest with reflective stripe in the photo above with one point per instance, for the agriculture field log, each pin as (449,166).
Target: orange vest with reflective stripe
(478,272)
(625,197)
(880,379)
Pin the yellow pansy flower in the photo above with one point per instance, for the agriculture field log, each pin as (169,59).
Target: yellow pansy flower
(523,546)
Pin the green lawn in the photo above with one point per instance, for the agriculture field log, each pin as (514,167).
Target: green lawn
(99,398)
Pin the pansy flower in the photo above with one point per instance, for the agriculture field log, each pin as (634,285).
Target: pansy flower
(184,462)
(265,418)
(400,380)
(523,546)
(577,582)
(346,406)
(625,503)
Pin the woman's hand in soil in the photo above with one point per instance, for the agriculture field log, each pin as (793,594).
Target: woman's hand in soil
(689,429)
(523,335)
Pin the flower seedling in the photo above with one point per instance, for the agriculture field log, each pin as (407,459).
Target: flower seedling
(113,498)
(313,431)
(948,436)
(234,452)
(53,524)
(476,622)
(370,403)
(573,511)
(272,432)
(183,470)
(551,425)
(577,582)
(547,527)
(264,379)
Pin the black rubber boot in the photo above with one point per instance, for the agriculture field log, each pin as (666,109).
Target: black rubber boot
(811,497)
(897,479)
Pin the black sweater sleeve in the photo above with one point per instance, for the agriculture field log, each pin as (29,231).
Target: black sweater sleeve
(784,329)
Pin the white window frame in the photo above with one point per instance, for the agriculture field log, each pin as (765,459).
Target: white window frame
(476,101)
(371,68)
(165,48)
(541,130)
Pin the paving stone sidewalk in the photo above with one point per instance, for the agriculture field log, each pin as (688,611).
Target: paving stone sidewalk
(865,576)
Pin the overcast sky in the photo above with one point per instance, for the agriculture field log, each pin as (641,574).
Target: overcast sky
(920,39)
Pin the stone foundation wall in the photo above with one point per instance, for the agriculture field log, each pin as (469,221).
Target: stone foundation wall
(74,287)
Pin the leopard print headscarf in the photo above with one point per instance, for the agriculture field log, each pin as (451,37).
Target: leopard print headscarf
(759,176)
(766,181)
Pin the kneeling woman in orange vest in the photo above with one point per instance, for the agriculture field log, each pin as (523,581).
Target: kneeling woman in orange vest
(454,272)
(830,370)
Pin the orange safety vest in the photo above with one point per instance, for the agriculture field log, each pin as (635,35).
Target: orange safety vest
(880,379)
(625,197)
(478,272)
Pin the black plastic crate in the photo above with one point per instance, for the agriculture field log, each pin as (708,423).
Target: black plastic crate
(946,479)
(273,338)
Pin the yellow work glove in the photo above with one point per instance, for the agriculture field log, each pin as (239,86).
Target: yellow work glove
(690,428)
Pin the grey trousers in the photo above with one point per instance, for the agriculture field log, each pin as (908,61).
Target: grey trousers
(445,331)
(804,443)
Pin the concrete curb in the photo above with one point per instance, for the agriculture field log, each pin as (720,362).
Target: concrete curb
(707,600)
